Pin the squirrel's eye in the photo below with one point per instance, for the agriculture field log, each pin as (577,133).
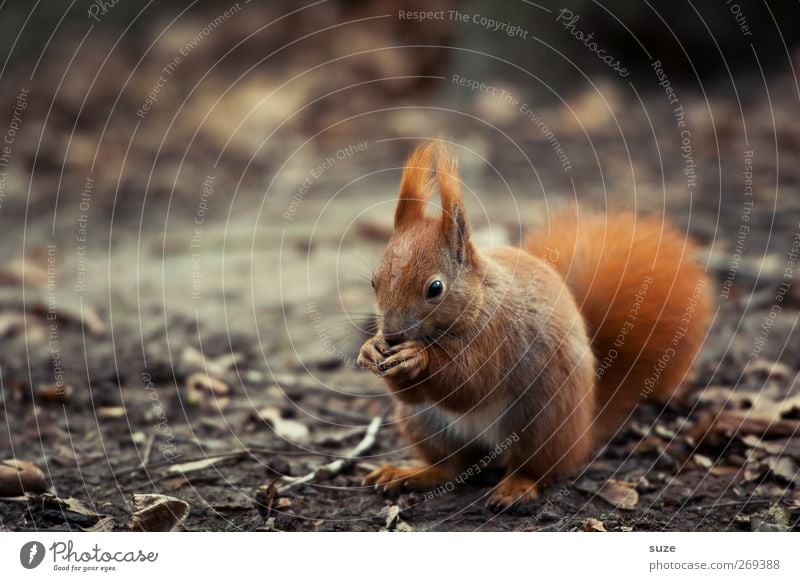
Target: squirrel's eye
(434,289)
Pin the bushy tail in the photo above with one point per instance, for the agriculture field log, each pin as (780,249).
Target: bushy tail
(645,300)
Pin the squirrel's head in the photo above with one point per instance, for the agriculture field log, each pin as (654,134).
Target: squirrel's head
(427,282)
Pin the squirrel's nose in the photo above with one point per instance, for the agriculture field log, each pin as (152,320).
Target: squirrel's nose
(393,338)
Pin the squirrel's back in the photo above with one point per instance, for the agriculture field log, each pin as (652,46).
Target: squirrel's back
(644,298)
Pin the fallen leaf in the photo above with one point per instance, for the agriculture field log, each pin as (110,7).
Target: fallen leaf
(194,361)
(74,313)
(664,432)
(593,525)
(265,497)
(71,510)
(404,527)
(288,429)
(784,468)
(114,412)
(784,447)
(194,466)
(24,273)
(753,471)
(730,423)
(393,522)
(738,399)
(703,461)
(392,516)
(198,382)
(156,512)
(199,386)
(718,470)
(620,494)
(11,324)
(769,369)
(93,321)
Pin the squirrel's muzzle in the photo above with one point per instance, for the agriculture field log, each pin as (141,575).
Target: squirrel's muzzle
(396,337)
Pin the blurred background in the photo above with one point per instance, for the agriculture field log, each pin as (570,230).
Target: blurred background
(203,186)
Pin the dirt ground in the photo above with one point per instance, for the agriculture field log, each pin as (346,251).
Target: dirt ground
(183,320)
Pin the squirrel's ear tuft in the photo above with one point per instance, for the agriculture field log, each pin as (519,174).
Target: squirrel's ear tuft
(415,186)
(455,225)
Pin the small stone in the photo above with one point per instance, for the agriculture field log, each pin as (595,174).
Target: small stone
(549,517)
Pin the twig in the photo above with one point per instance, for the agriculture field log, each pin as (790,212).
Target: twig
(336,467)
(147,449)
(251,451)
(744,501)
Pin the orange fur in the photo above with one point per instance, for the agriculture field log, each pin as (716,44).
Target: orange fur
(608,263)
(515,347)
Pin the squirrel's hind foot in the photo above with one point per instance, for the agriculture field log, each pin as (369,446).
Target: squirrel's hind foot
(388,478)
(513,490)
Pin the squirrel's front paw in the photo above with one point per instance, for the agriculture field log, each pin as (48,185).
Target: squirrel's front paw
(372,353)
(406,360)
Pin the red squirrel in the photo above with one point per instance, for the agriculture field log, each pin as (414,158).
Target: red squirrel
(548,346)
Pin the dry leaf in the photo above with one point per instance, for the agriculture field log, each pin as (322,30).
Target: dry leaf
(784,468)
(620,494)
(404,527)
(114,412)
(265,498)
(93,321)
(194,466)
(11,324)
(288,429)
(770,369)
(785,447)
(664,432)
(34,274)
(194,360)
(393,522)
(703,461)
(156,512)
(201,387)
(198,382)
(730,423)
(718,470)
(593,525)
(738,399)
(392,516)
(70,509)
(753,471)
